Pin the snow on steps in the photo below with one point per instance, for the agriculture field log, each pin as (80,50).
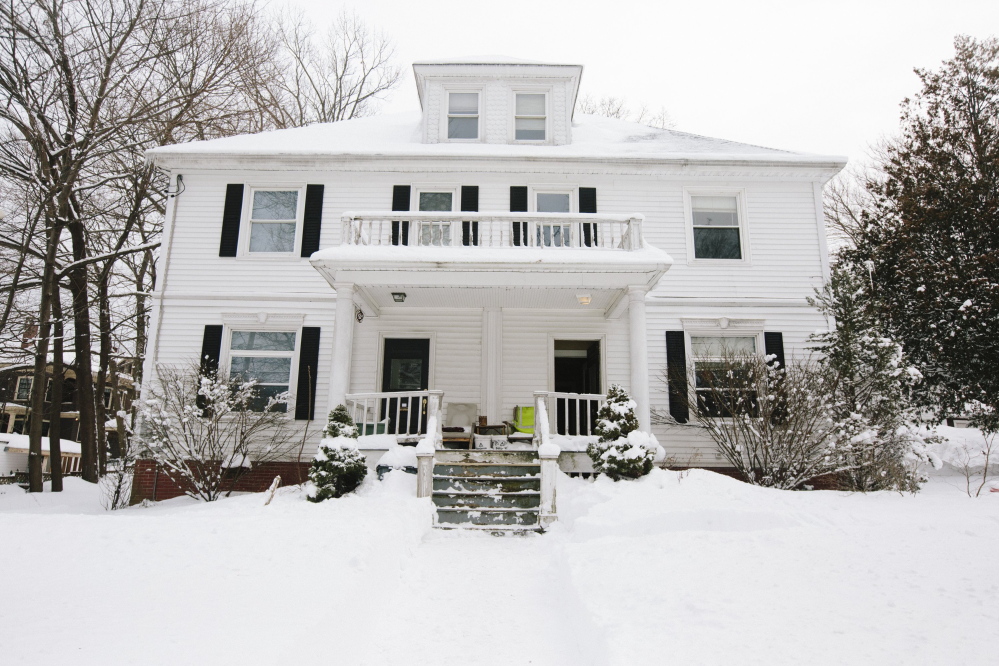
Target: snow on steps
(496,491)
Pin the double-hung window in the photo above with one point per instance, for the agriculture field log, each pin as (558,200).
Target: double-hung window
(273,220)
(720,377)
(530,117)
(553,235)
(435,232)
(716,227)
(463,115)
(265,356)
(23,388)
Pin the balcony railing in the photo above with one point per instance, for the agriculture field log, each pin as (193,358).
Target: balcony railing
(493,230)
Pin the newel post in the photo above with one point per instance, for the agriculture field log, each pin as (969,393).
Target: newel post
(429,444)
(424,474)
(548,453)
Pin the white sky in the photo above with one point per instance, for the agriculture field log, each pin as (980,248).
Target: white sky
(816,77)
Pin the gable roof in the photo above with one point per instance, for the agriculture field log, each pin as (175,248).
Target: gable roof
(399,135)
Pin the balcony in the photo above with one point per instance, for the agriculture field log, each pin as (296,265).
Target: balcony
(563,254)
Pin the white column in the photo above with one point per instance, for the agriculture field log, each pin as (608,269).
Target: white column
(343,342)
(492,365)
(639,356)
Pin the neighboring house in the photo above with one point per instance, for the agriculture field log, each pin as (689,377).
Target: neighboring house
(491,247)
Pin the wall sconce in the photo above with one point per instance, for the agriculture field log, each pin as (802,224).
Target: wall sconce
(584,299)
(399,296)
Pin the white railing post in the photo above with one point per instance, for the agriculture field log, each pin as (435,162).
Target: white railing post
(428,445)
(548,455)
(540,407)
(424,473)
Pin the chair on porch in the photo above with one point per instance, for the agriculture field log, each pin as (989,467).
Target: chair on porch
(522,425)
(459,424)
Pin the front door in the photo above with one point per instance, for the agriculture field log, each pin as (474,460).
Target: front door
(577,370)
(405,367)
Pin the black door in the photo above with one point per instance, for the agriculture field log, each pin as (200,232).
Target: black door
(406,367)
(577,370)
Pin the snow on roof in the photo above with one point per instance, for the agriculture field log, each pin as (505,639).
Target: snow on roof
(16,442)
(399,135)
(488,60)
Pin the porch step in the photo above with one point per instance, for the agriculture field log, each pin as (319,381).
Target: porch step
(471,484)
(496,491)
(481,470)
(530,499)
(490,517)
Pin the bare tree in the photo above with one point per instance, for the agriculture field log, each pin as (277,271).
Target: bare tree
(617,107)
(326,76)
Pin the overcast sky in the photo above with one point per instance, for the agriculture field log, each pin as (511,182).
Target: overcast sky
(815,77)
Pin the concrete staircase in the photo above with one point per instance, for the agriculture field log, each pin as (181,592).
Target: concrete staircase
(494,491)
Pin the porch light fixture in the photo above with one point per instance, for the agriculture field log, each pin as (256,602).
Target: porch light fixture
(399,296)
(584,299)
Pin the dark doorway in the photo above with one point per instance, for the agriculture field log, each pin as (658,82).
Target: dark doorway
(577,370)
(405,367)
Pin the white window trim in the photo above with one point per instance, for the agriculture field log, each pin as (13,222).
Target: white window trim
(547,92)
(446,113)
(719,332)
(225,357)
(688,216)
(17,386)
(245,226)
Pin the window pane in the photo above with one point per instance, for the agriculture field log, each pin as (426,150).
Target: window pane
(553,203)
(467,103)
(530,129)
(463,128)
(264,393)
(24,388)
(265,369)
(706,346)
(272,237)
(714,203)
(262,341)
(435,201)
(274,205)
(530,105)
(716,243)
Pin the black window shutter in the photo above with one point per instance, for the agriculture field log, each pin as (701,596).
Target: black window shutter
(518,204)
(308,368)
(774,344)
(676,369)
(231,215)
(211,349)
(470,204)
(588,204)
(312,224)
(400,201)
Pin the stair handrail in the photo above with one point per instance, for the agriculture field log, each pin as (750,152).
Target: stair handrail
(429,444)
(548,453)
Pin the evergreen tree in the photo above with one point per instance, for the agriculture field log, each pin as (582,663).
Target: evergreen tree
(340,424)
(929,238)
(622,451)
(869,384)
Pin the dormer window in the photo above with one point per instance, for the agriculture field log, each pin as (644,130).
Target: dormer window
(463,115)
(530,118)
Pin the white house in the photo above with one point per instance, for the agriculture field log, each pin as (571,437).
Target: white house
(494,251)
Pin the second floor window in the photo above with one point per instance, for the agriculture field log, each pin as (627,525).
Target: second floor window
(463,116)
(273,220)
(23,388)
(716,227)
(530,119)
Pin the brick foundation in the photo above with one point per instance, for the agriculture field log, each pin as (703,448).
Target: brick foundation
(152,483)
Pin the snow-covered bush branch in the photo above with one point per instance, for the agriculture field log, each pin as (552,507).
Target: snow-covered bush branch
(623,451)
(199,426)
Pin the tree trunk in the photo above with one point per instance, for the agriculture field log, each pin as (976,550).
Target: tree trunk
(36,415)
(104,358)
(55,406)
(81,338)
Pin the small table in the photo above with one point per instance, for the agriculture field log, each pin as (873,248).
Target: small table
(500,429)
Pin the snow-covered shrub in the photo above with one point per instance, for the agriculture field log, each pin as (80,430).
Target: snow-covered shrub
(337,469)
(623,451)
(877,441)
(339,424)
(195,425)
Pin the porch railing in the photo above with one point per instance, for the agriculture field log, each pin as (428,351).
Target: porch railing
(493,230)
(572,413)
(400,413)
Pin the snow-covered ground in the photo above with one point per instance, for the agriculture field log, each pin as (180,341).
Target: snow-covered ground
(674,569)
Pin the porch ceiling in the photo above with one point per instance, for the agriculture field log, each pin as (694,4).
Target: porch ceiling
(455,296)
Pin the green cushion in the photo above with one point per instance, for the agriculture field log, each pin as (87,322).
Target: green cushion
(523,419)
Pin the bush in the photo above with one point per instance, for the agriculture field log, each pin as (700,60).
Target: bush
(623,451)
(339,424)
(337,469)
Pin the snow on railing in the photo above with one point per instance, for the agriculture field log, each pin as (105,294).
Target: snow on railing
(492,230)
